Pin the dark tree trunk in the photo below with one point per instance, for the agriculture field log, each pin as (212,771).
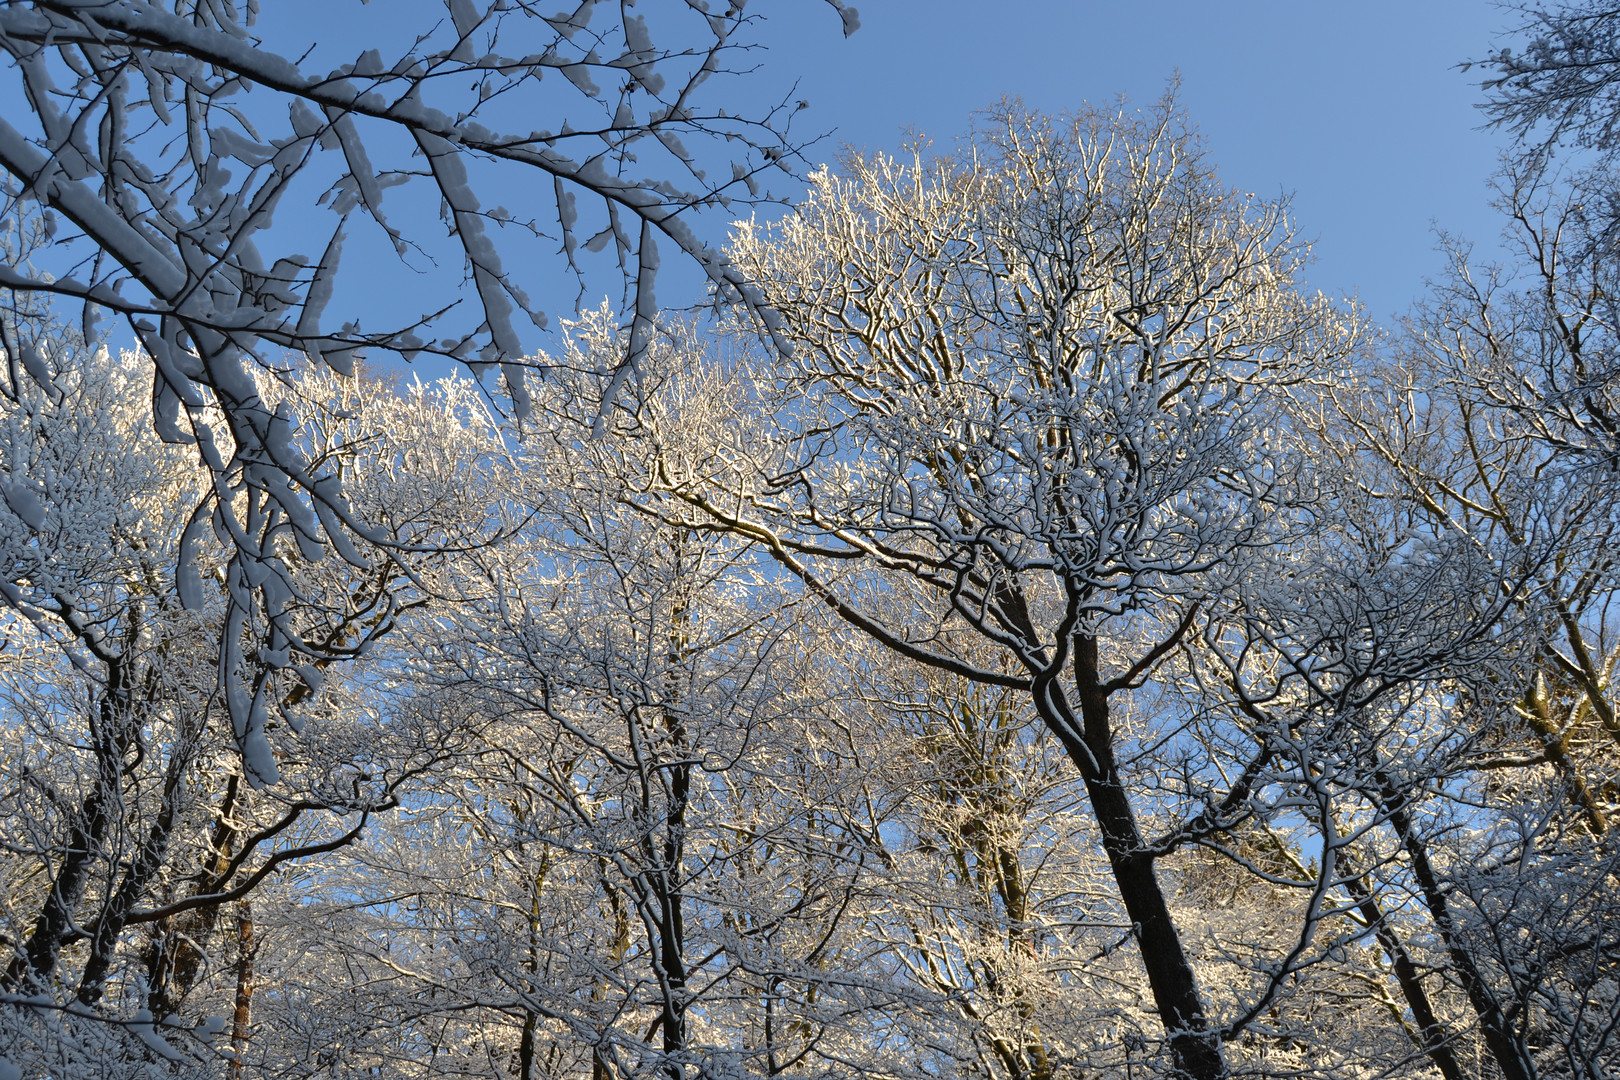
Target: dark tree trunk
(601,1059)
(1499,1039)
(525,1070)
(142,869)
(38,959)
(1195,1048)
(1436,1043)
(85,840)
(669,898)
(176,957)
(668,883)
(242,1020)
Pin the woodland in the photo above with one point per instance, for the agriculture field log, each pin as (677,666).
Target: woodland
(1015,630)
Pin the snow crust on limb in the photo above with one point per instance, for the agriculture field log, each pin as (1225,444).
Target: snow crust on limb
(181,152)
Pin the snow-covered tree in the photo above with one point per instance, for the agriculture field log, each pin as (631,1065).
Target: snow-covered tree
(1028,409)
(139,820)
(1484,429)
(1561,83)
(641,866)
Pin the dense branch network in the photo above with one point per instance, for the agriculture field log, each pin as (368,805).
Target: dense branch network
(177,155)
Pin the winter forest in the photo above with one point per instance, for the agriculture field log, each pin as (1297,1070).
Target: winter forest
(1013,629)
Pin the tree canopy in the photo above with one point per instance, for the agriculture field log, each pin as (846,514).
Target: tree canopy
(1023,633)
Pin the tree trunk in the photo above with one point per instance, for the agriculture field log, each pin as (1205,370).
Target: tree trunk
(667,881)
(176,958)
(85,840)
(1436,1043)
(601,1062)
(38,959)
(1552,743)
(142,869)
(526,1046)
(1499,1039)
(669,947)
(243,1018)
(1195,1048)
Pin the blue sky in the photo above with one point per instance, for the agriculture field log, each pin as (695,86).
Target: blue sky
(1357,110)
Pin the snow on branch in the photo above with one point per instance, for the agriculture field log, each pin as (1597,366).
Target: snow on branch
(183,156)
